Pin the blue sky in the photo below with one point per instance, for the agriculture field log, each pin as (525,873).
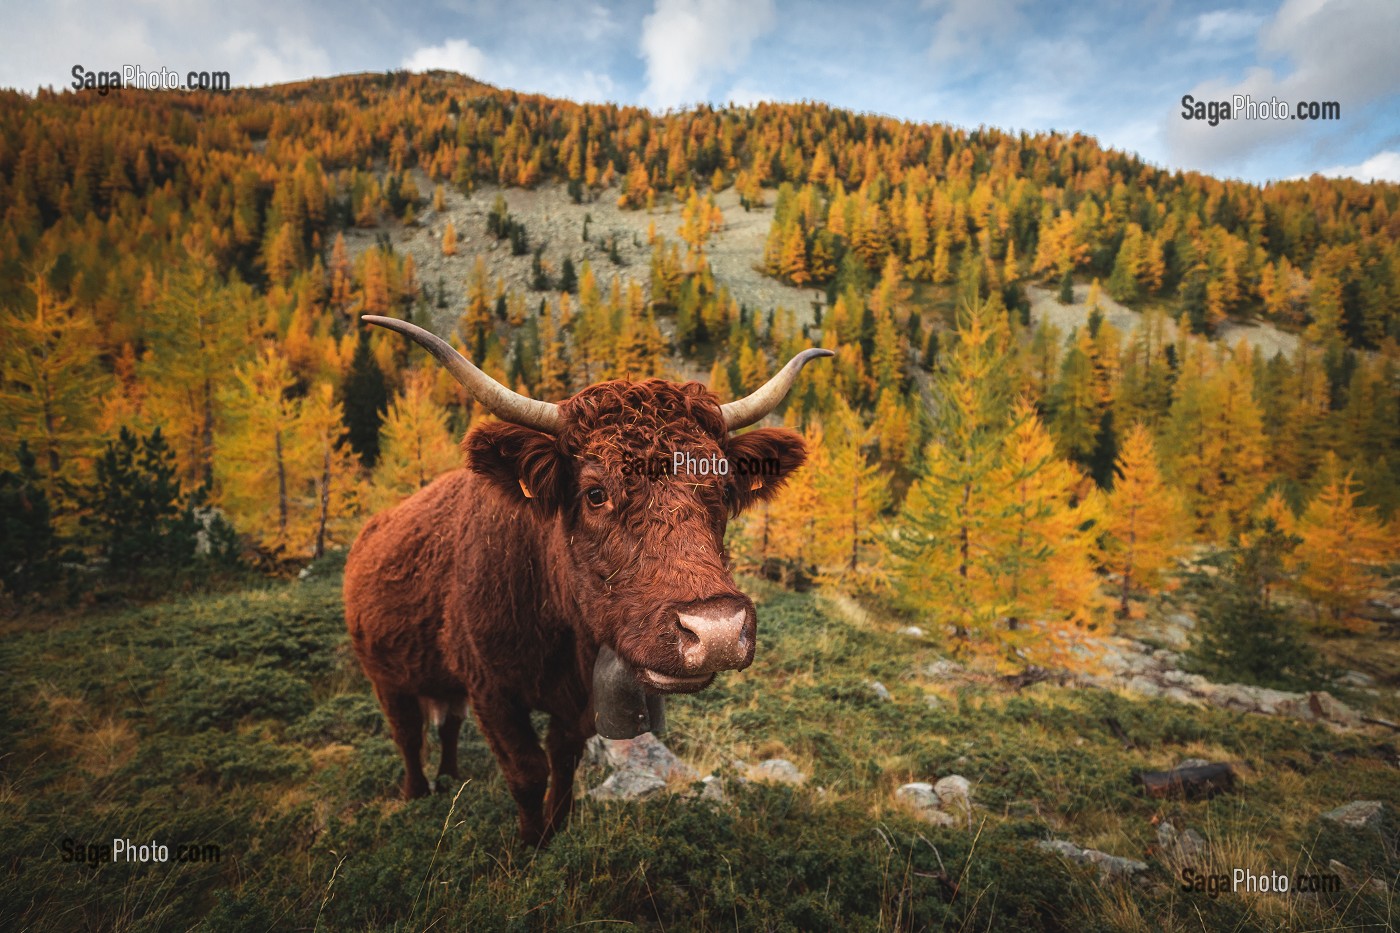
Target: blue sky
(1115,70)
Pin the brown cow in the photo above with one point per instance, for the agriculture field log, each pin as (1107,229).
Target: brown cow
(501,585)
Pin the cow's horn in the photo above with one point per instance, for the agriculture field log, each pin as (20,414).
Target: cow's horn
(743,412)
(494,397)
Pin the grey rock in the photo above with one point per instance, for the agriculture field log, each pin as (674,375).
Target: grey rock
(954,792)
(777,769)
(880,690)
(714,789)
(933,701)
(1111,867)
(944,670)
(628,784)
(1356,679)
(595,753)
(644,753)
(1192,763)
(1359,814)
(913,631)
(1185,844)
(918,797)
(1328,708)
(941,818)
(304,574)
(1182,620)
(1146,686)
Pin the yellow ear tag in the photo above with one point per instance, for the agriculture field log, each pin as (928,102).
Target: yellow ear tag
(757,484)
(525,489)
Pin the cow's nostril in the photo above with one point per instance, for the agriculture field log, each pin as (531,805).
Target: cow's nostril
(689,637)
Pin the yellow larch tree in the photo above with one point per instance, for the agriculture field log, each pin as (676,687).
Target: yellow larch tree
(201,329)
(49,381)
(793,260)
(1145,525)
(415,443)
(852,493)
(325,478)
(449,240)
(254,466)
(1337,561)
(943,539)
(1041,544)
(1214,441)
(791,518)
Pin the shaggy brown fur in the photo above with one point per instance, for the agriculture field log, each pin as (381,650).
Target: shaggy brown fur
(494,586)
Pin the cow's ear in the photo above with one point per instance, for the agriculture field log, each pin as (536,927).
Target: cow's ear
(760,462)
(525,464)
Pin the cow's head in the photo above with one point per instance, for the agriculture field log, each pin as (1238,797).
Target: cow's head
(642,479)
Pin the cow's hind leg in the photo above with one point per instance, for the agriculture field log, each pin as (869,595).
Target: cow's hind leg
(507,729)
(565,743)
(405,715)
(448,732)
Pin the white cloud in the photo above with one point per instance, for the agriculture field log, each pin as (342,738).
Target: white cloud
(1227,25)
(461,56)
(597,22)
(686,43)
(286,58)
(966,26)
(453,55)
(1341,50)
(1383,166)
(589,87)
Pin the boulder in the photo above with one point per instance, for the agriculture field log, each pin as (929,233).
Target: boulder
(943,670)
(714,789)
(779,770)
(1359,814)
(880,690)
(913,631)
(1356,679)
(918,796)
(920,799)
(628,784)
(954,792)
(1111,867)
(644,753)
(1187,844)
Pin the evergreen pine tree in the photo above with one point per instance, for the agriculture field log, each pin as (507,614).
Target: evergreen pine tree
(1066,295)
(1244,635)
(134,505)
(366,399)
(27,540)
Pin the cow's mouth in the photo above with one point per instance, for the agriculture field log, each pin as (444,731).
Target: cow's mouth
(667,683)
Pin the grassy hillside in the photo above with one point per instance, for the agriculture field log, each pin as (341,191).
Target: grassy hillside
(241,720)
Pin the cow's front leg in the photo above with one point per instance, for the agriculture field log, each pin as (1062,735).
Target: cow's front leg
(565,742)
(506,726)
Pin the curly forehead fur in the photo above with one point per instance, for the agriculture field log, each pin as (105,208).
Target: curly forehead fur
(614,420)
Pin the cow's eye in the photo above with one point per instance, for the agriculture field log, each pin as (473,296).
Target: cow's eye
(596,495)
